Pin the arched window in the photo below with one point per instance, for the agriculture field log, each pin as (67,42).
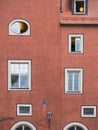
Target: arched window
(23,125)
(75,126)
(19,27)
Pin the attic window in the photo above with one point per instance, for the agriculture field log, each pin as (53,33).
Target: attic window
(19,27)
(79,6)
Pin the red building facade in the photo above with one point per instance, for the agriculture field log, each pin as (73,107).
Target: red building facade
(48,54)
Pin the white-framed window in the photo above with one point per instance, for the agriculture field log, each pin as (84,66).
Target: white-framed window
(75,43)
(24,109)
(19,27)
(19,75)
(88,111)
(79,6)
(73,80)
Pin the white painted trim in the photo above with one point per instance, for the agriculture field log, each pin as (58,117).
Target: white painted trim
(80,82)
(27,33)
(23,123)
(24,105)
(75,124)
(81,44)
(82,111)
(9,73)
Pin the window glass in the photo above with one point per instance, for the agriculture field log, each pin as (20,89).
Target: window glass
(80,6)
(19,74)
(19,27)
(24,109)
(88,111)
(19,128)
(73,80)
(75,43)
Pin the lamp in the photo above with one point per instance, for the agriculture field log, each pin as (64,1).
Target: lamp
(49,116)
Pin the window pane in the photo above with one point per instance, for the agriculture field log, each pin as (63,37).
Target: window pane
(88,111)
(77,44)
(15,80)
(19,27)
(70,81)
(19,128)
(78,128)
(71,128)
(24,109)
(73,44)
(26,128)
(76,81)
(14,68)
(23,68)
(24,81)
(79,6)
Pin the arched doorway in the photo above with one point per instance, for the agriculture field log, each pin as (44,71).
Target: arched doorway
(75,126)
(23,125)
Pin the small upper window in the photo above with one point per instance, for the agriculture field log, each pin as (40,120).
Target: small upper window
(19,27)
(79,6)
(75,43)
(24,109)
(88,111)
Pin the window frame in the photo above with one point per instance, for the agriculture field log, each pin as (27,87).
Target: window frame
(74,7)
(24,114)
(80,71)
(26,33)
(29,74)
(86,115)
(70,36)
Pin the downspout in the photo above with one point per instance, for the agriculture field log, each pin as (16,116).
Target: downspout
(61,10)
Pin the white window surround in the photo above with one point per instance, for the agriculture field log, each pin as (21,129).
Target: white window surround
(81,12)
(80,84)
(78,36)
(26,33)
(9,74)
(32,127)
(24,114)
(75,124)
(86,115)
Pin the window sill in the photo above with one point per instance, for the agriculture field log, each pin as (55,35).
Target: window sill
(19,89)
(73,92)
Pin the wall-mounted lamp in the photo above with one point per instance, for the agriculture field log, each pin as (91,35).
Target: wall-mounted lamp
(49,116)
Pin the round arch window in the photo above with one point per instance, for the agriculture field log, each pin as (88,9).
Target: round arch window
(19,27)
(23,127)
(75,128)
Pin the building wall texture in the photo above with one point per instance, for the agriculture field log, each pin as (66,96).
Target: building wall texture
(47,48)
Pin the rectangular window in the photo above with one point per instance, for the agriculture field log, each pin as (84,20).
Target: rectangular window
(88,111)
(73,80)
(19,74)
(24,109)
(75,43)
(79,6)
